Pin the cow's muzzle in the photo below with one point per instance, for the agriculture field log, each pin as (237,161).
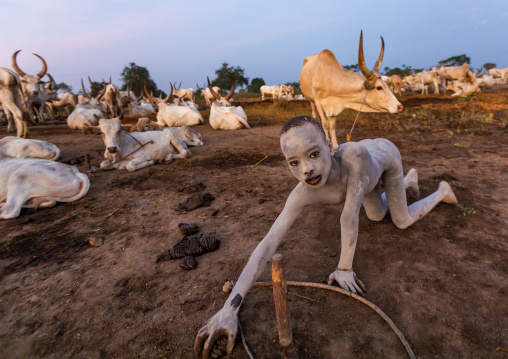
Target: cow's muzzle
(112,149)
(400,108)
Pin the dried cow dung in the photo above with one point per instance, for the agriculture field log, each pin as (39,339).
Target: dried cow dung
(194,248)
(164,256)
(208,242)
(176,252)
(195,201)
(188,263)
(188,229)
(191,186)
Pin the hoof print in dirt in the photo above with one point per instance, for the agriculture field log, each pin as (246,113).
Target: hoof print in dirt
(191,186)
(208,242)
(188,229)
(219,348)
(96,241)
(195,201)
(188,263)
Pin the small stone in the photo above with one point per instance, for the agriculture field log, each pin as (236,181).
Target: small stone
(96,241)
(228,286)
(333,254)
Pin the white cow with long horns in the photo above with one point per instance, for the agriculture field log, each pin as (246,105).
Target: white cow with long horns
(174,115)
(223,116)
(132,151)
(330,88)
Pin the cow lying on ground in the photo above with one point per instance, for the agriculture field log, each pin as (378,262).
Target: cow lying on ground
(33,183)
(223,116)
(24,148)
(174,115)
(461,88)
(132,151)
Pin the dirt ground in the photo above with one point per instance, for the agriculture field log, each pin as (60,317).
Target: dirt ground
(442,281)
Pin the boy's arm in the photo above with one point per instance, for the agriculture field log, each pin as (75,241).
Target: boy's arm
(225,322)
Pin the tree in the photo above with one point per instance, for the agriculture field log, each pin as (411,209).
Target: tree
(296,85)
(255,85)
(63,86)
(401,71)
(456,60)
(135,77)
(489,65)
(226,75)
(354,68)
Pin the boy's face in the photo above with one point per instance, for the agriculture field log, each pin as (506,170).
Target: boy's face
(308,154)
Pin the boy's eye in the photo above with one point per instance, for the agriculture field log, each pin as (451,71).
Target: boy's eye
(294,163)
(314,154)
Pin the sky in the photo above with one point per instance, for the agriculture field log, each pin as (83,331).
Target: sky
(188,40)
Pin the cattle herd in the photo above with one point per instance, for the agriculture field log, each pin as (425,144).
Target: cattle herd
(30,177)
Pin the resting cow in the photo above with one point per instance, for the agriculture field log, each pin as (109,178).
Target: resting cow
(33,183)
(24,148)
(223,116)
(132,151)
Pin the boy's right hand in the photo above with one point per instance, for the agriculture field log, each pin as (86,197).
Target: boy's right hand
(223,323)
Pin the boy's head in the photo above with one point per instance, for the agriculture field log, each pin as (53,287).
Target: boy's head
(307,151)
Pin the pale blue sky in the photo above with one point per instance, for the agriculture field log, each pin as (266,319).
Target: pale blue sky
(187,40)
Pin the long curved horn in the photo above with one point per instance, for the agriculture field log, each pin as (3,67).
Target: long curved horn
(478,71)
(361,61)
(83,88)
(44,67)
(197,85)
(51,82)
(101,93)
(377,65)
(149,96)
(214,94)
(169,96)
(15,64)
(91,83)
(179,86)
(231,92)
(110,80)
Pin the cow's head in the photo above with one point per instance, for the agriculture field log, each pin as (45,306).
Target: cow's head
(159,101)
(379,96)
(94,102)
(111,130)
(31,83)
(219,100)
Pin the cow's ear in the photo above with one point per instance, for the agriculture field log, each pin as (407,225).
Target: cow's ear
(92,130)
(129,128)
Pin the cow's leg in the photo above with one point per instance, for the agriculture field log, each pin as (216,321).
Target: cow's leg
(436,86)
(17,115)
(47,204)
(176,142)
(13,204)
(314,113)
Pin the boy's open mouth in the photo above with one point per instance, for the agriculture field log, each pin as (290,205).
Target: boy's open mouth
(313,180)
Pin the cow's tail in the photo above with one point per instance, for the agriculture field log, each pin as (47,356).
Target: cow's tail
(84,187)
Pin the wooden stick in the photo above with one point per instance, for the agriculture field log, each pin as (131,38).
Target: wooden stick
(280,291)
(259,162)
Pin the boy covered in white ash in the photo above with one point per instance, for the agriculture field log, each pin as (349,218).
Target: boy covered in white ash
(351,175)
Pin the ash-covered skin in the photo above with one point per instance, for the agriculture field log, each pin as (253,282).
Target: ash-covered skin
(349,175)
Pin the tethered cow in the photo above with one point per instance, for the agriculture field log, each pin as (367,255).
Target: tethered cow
(330,88)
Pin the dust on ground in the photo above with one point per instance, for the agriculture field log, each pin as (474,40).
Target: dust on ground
(442,281)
